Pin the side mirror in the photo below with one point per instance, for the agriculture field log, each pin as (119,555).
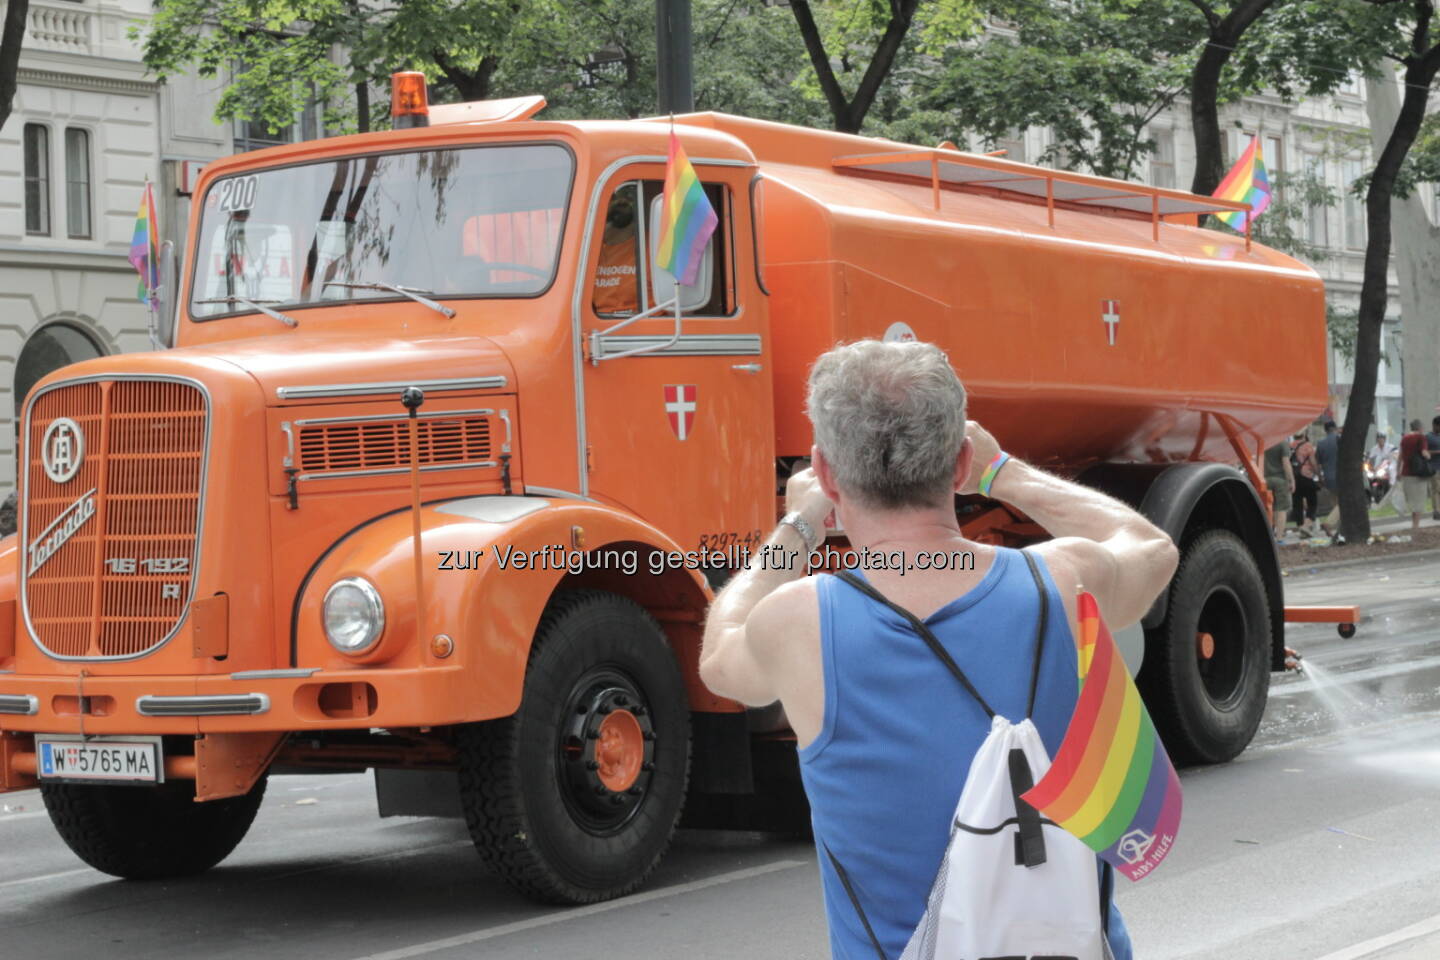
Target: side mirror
(692,296)
(164,312)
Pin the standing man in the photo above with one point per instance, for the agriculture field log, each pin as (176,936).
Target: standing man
(1327,451)
(1280,478)
(1415,471)
(1432,444)
(886,735)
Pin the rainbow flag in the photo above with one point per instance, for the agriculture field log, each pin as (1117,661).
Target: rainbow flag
(1247,182)
(1111,783)
(145,245)
(686,218)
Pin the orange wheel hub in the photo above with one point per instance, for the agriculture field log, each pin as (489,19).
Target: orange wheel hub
(620,750)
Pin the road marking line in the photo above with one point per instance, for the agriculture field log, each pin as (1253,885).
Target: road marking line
(1376,944)
(578,913)
(45,876)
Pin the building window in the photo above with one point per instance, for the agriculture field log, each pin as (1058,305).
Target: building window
(49,348)
(37,179)
(1162,161)
(77,183)
(1350,86)
(1013,143)
(1274,163)
(1352,170)
(1316,229)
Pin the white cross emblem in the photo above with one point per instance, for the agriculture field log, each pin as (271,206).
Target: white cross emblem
(680,408)
(1110,313)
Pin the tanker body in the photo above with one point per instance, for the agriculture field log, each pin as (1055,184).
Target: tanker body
(1085,341)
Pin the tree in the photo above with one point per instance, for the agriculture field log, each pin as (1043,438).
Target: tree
(846,34)
(1224,30)
(1095,73)
(1416,48)
(281,53)
(12,37)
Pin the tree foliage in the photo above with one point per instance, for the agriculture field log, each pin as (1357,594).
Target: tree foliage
(12,38)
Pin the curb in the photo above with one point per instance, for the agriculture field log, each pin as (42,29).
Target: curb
(1356,561)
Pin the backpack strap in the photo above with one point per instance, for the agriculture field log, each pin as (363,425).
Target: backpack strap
(925,634)
(854,900)
(1039,629)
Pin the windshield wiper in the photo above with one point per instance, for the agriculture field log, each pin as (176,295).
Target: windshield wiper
(258,305)
(412,292)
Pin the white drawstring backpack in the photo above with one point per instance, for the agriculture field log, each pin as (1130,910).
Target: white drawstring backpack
(1012,885)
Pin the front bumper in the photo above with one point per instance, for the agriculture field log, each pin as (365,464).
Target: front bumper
(282,701)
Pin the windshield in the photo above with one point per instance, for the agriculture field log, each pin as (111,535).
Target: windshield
(472,221)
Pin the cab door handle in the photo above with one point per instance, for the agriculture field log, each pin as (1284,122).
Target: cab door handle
(747,367)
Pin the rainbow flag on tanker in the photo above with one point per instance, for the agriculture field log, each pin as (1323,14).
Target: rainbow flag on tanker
(1111,783)
(1247,182)
(145,245)
(686,218)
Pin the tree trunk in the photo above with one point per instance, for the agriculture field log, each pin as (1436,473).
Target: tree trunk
(820,60)
(362,106)
(1205,119)
(470,86)
(11,39)
(1354,504)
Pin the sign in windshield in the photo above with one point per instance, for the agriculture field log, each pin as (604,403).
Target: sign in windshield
(471,221)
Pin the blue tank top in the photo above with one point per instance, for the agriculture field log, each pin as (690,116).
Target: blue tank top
(899,732)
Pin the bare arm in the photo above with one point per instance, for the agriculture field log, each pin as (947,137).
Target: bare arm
(735,661)
(1118,555)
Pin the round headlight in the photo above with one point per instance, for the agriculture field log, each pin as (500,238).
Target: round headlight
(353,614)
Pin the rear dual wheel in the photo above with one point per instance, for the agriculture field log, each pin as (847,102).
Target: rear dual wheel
(1206,674)
(575,797)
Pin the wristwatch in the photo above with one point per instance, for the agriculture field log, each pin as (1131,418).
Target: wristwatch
(802,527)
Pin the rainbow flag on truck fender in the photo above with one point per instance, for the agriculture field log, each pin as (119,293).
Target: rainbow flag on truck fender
(1112,783)
(686,218)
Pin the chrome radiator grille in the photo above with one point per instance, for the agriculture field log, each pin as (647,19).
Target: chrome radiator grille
(114,472)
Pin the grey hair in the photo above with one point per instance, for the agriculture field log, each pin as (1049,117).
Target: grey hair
(890,420)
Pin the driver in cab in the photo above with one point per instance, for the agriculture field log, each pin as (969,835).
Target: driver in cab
(616,282)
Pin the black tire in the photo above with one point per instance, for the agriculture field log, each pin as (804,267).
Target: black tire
(149,833)
(1208,709)
(531,784)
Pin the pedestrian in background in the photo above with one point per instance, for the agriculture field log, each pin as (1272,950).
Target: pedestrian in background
(1280,479)
(1432,444)
(886,735)
(1327,451)
(1307,487)
(1415,472)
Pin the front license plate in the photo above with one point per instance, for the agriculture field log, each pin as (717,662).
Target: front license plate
(130,761)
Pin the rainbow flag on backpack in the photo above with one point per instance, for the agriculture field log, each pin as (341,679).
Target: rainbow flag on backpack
(1111,783)
(686,218)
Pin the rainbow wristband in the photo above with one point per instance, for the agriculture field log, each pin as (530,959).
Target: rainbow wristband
(988,477)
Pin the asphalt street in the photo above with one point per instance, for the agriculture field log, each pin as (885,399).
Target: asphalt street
(1322,842)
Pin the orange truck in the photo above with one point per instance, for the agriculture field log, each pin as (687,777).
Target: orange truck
(440,473)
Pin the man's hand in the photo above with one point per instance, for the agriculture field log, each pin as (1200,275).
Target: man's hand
(986,448)
(804,496)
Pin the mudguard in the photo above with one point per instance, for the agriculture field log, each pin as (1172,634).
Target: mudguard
(488,607)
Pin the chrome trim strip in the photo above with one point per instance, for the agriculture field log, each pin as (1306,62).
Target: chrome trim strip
(298,673)
(386,471)
(218,705)
(392,386)
(689,345)
(554,494)
(19,704)
(23,500)
(576,337)
(388,417)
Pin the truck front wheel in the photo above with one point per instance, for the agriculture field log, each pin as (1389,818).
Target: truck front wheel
(149,833)
(1207,667)
(575,797)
